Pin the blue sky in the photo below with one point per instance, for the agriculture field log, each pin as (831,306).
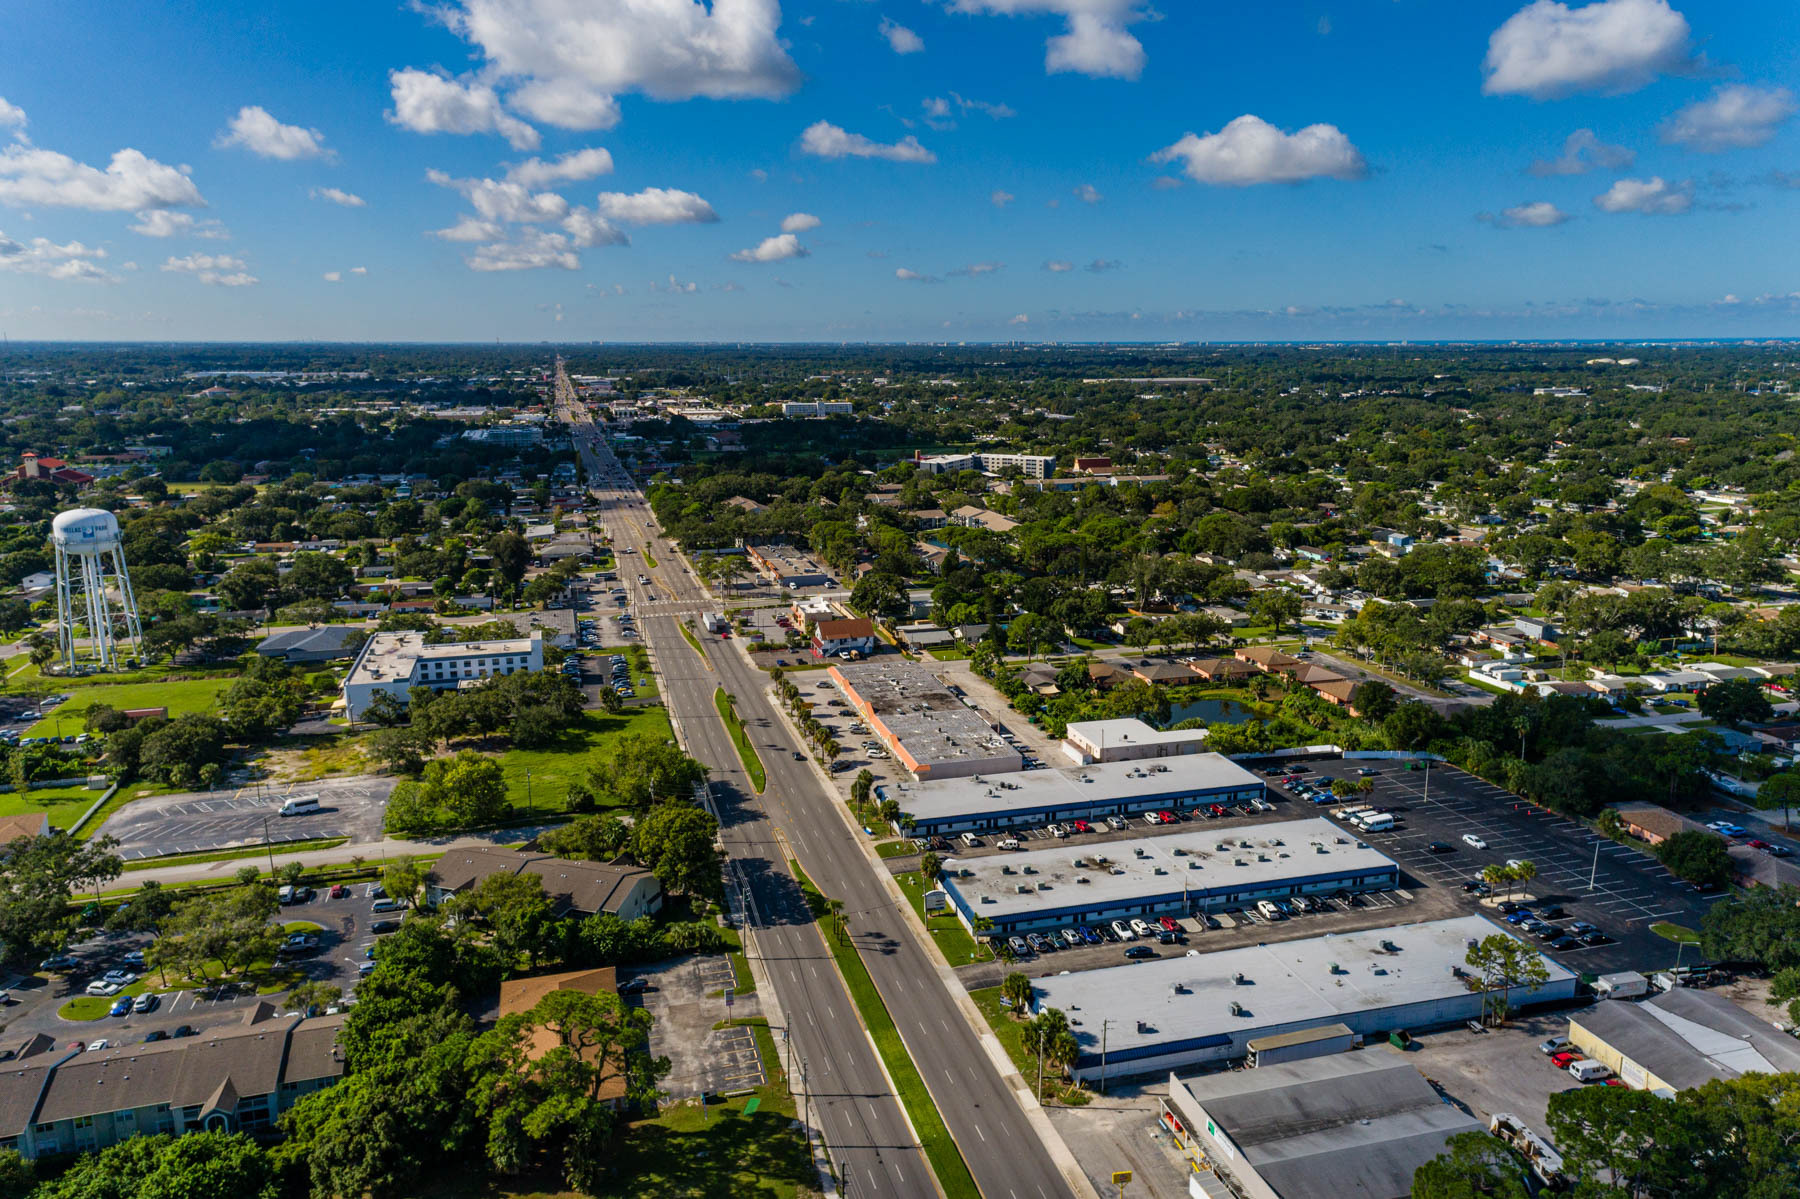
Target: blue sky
(1356,169)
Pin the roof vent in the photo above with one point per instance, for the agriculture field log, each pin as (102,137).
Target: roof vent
(1239,979)
(1237,1009)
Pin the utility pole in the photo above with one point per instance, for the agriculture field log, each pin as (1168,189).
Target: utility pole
(269,846)
(1042,1031)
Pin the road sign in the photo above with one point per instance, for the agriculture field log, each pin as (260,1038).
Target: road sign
(728,996)
(1121,1177)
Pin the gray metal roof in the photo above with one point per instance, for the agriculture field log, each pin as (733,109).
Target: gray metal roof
(1354,1124)
(1688,1038)
(1033,790)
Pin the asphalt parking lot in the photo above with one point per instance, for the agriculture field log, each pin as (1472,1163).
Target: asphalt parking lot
(201,821)
(684,994)
(1621,889)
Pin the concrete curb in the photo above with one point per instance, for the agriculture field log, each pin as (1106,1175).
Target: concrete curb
(1065,1160)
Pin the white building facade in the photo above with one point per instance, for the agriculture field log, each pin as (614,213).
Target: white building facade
(395,663)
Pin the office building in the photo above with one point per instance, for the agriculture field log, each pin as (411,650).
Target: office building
(1127,740)
(395,663)
(1176,1012)
(992,802)
(928,729)
(1199,870)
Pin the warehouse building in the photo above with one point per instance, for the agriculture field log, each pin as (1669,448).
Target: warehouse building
(1127,740)
(1681,1039)
(989,802)
(1358,1124)
(1174,1013)
(925,726)
(1178,875)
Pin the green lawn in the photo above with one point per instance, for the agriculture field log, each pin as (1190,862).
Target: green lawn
(1675,932)
(953,1176)
(746,752)
(896,849)
(554,767)
(689,635)
(952,939)
(180,698)
(64,805)
(28,679)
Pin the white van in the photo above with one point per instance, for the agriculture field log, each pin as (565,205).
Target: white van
(1587,1070)
(1268,909)
(970,839)
(299,805)
(1008,843)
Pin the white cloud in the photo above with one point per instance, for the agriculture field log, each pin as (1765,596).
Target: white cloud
(825,140)
(428,103)
(563,63)
(1250,150)
(337,195)
(568,168)
(1000,198)
(800,222)
(1087,193)
(533,249)
(675,285)
(219,270)
(901,39)
(257,131)
(657,206)
(998,111)
(911,276)
(131,182)
(587,228)
(11,116)
(1653,196)
(333,276)
(1096,42)
(1103,264)
(1583,151)
(1020,319)
(773,249)
(977,269)
(359,270)
(161,222)
(1548,49)
(471,229)
(500,200)
(41,256)
(1059,266)
(1539,214)
(1733,117)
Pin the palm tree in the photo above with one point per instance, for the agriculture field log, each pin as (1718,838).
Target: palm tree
(1494,875)
(1015,988)
(839,925)
(1524,872)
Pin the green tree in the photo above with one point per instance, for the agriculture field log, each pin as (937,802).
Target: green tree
(675,842)
(511,554)
(1760,926)
(1780,790)
(1699,858)
(1474,1165)
(1015,988)
(167,1167)
(1619,1141)
(17,1175)
(1502,964)
(468,788)
(38,877)
(1736,702)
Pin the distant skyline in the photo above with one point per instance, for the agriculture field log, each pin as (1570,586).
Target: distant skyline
(893,170)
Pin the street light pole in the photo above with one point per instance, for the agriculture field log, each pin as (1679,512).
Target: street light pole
(1104,1025)
(269,846)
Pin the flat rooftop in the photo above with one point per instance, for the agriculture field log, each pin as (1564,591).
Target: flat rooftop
(1128,731)
(919,711)
(391,656)
(1168,1001)
(1032,790)
(1197,860)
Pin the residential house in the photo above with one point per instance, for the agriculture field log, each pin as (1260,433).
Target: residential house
(832,637)
(1653,824)
(1164,672)
(1267,660)
(519,996)
(971,517)
(574,887)
(1222,670)
(929,518)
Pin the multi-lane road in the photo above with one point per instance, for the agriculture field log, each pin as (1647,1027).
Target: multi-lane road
(851,1102)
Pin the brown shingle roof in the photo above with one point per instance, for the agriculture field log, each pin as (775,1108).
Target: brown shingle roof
(843,630)
(571,885)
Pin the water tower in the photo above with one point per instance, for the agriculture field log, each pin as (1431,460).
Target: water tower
(90,562)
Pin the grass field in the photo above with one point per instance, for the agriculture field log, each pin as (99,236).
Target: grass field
(26,678)
(951,938)
(62,804)
(940,1148)
(180,698)
(1011,1034)
(746,752)
(1675,932)
(554,767)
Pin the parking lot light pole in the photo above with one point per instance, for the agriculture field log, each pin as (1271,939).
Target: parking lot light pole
(269,845)
(1594,871)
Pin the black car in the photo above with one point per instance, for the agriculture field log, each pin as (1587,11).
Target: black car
(1440,847)
(632,986)
(155,1034)
(186,1030)
(1140,951)
(1551,912)
(384,926)
(1107,932)
(799,757)
(1595,938)
(1507,906)
(1565,942)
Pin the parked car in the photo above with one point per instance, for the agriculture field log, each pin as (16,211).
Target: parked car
(1123,931)
(1554,1045)
(1440,847)
(121,1006)
(1140,951)
(146,1002)
(103,987)
(1117,822)
(1474,842)
(1018,946)
(634,985)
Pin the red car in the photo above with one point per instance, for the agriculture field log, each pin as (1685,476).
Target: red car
(1168,924)
(1082,826)
(1616,1082)
(1169,818)
(1755,844)
(1561,1060)
(339,891)
(1216,809)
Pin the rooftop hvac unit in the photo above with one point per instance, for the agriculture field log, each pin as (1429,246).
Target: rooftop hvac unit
(1024,888)
(1031,870)
(1005,869)
(1237,861)
(1141,852)
(1160,870)
(1142,1028)
(1193,865)
(1320,849)
(1390,947)
(1455,970)
(1337,969)
(1081,878)
(1377,969)
(1178,989)
(989,899)
(1239,980)
(1162,770)
(1179,852)
(1118,870)
(1237,1009)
